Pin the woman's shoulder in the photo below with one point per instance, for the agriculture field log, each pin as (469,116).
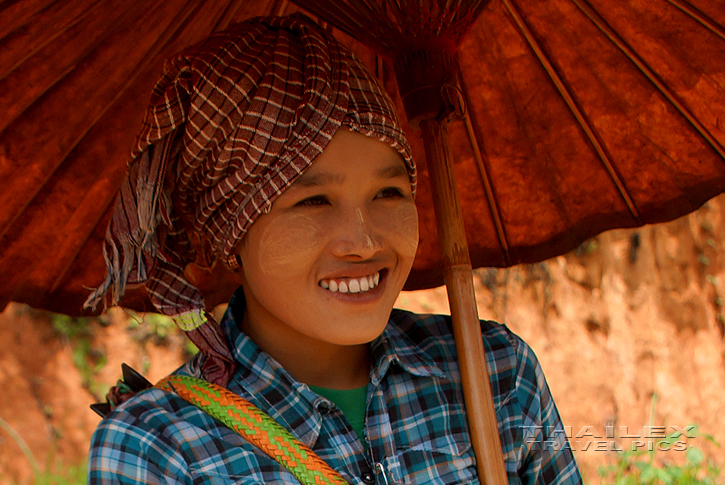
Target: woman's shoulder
(152,414)
(437,327)
(509,359)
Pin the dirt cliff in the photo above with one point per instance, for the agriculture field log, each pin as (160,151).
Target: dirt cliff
(629,330)
(630,315)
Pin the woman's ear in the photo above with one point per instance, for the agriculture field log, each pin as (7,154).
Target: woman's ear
(215,279)
(234,261)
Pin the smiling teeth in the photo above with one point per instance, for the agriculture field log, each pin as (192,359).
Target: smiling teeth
(352,285)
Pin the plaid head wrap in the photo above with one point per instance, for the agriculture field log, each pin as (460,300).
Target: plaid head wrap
(232,123)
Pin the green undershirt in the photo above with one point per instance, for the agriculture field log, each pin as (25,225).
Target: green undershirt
(352,404)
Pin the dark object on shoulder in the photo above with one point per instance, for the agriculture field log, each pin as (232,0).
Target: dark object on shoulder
(131,383)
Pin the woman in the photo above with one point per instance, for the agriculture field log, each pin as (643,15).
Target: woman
(270,152)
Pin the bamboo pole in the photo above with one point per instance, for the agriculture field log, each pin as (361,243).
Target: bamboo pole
(458,275)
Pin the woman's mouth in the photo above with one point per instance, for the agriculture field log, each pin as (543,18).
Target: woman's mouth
(351,285)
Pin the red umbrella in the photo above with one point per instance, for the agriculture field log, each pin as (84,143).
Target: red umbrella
(570,130)
(618,122)
(576,117)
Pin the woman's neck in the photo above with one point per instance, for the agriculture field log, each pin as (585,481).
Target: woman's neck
(312,361)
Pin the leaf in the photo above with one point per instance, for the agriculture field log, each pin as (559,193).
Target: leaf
(694,455)
(667,475)
(649,475)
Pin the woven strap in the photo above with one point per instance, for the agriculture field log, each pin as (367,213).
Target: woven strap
(258,428)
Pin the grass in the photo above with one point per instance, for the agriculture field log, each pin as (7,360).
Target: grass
(156,328)
(58,474)
(152,327)
(71,475)
(641,467)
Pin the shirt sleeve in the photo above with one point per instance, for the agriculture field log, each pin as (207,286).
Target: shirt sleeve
(131,446)
(547,457)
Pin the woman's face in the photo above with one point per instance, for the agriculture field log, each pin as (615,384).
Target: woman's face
(326,264)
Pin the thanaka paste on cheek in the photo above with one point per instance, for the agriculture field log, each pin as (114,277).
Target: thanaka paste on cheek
(402,228)
(287,244)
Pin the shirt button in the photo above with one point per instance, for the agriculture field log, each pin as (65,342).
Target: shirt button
(368,477)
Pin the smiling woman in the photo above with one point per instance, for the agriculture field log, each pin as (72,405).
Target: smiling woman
(322,270)
(271,157)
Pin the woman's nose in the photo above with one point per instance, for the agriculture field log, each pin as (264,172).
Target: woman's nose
(355,236)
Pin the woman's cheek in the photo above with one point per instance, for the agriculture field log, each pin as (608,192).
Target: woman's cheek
(401,228)
(288,243)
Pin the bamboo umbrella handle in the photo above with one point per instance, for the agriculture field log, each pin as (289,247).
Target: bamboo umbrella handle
(458,275)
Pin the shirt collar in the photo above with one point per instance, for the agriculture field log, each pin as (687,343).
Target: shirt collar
(394,346)
(265,383)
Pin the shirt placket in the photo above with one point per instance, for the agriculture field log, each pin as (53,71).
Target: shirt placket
(348,450)
(382,451)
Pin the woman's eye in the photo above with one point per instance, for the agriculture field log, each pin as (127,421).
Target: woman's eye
(313,201)
(389,192)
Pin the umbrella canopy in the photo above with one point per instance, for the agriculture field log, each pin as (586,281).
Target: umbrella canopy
(575,117)
(580,117)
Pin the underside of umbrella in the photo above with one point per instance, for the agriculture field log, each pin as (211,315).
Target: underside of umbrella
(580,117)
(600,133)
(570,118)
(76,77)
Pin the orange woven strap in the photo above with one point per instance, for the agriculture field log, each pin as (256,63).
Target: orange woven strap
(257,427)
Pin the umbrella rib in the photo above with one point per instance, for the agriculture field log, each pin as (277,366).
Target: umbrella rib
(39,187)
(706,21)
(226,17)
(373,22)
(573,107)
(280,7)
(350,24)
(395,9)
(473,130)
(363,21)
(10,26)
(60,76)
(50,39)
(650,74)
(147,58)
(102,112)
(66,267)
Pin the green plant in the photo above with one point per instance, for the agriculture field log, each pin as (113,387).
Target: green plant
(151,326)
(5,426)
(57,475)
(639,467)
(60,475)
(89,361)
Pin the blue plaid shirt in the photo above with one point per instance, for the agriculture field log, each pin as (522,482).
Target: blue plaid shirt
(415,426)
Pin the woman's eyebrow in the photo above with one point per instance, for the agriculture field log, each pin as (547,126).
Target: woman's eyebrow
(324,178)
(318,179)
(393,171)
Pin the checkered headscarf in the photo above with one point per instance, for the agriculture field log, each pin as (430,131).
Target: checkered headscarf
(232,123)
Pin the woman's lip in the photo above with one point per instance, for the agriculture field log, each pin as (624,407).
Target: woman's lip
(352,285)
(360,297)
(355,272)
